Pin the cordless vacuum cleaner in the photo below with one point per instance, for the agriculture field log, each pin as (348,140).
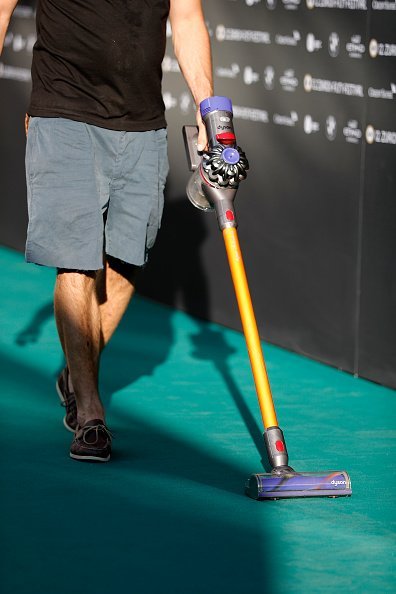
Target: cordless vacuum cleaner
(213,186)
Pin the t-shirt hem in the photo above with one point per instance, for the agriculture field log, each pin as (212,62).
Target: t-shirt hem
(110,124)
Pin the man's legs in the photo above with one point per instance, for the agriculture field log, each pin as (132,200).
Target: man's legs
(74,160)
(78,322)
(88,309)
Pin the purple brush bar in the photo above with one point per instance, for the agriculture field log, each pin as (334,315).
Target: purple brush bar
(293,484)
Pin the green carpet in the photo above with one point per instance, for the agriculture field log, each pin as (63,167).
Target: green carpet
(168,514)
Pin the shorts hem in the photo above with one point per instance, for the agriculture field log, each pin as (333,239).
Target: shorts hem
(61,263)
(123,258)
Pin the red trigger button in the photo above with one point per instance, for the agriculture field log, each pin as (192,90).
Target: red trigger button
(229,215)
(226,138)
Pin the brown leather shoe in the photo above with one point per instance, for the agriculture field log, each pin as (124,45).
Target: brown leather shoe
(92,442)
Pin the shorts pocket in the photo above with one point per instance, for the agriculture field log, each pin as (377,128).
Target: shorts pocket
(154,222)
(163,169)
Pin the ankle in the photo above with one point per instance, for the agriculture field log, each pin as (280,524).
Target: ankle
(88,414)
(82,419)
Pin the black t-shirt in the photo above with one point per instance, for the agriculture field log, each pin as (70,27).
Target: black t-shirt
(99,61)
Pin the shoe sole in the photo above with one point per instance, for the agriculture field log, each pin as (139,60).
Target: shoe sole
(59,391)
(89,458)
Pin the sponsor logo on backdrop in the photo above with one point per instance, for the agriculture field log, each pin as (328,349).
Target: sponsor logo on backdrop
(250,76)
(373,48)
(382,93)
(334,44)
(290,40)
(355,48)
(185,102)
(308,83)
(170,64)
(288,81)
(228,72)
(269,78)
(271,4)
(335,87)
(169,100)
(23,12)
(230,34)
(250,113)
(331,127)
(312,44)
(352,133)
(387,50)
(340,4)
(18,43)
(285,120)
(380,136)
(370,134)
(384,5)
(291,4)
(15,73)
(310,126)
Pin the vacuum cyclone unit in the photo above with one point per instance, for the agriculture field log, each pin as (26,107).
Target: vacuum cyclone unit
(212,187)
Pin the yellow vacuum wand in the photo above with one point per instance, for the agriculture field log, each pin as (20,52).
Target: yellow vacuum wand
(249,325)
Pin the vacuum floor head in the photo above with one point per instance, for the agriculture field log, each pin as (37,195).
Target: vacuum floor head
(283,484)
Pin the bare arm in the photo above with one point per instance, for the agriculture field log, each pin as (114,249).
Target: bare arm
(192,49)
(6,10)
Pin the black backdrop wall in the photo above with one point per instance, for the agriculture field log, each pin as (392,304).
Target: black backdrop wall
(313,84)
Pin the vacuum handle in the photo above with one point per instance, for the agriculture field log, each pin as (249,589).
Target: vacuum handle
(190,137)
(216,113)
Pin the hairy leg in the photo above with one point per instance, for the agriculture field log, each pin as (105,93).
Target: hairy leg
(77,317)
(115,286)
(88,309)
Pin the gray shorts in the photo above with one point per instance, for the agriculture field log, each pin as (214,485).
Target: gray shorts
(92,191)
